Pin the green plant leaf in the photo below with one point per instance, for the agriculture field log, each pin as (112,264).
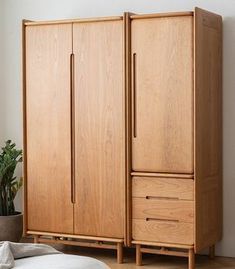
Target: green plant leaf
(9,185)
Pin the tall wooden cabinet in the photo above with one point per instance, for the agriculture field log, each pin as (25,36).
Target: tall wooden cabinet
(176,132)
(122,132)
(74,111)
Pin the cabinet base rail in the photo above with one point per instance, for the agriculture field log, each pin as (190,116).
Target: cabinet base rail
(83,242)
(187,252)
(162,250)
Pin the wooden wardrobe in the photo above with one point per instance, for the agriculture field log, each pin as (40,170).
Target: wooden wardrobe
(123,132)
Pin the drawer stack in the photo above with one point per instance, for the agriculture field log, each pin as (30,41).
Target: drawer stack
(163,210)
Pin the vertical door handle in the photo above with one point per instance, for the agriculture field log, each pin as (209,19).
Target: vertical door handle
(72,125)
(134,131)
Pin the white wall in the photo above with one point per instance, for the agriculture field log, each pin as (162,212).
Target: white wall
(10,98)
(2,118)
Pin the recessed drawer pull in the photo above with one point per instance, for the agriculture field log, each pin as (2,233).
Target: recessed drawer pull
(161,198)
(155,219)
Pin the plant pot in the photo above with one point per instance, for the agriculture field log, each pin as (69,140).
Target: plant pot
(11,227)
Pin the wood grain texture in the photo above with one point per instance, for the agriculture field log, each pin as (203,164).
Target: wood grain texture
(163,94)
(74,236)
(99,129)
(163,231)
(127,68)
(176,188)
(70,21)
(208,128)
(138,255)
(191,259)
(161,244)
(97,244)
(164,209)
(49,206)
(23,62)
(164,251)
(161,175)
(160,15)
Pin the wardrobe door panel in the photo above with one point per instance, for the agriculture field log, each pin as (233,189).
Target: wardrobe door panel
(162,94)
(48,133)
(99,128)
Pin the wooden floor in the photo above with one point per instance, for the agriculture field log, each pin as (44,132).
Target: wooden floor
(150,261)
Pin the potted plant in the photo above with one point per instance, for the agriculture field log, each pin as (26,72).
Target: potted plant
(11,222)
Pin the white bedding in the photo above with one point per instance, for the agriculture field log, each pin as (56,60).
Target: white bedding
(59,261)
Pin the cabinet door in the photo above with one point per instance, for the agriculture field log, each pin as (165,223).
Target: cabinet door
(162,94)
(99,128)
(49,206)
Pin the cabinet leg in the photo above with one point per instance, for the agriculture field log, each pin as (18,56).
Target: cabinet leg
(119,253)
(138,255)
(35,239)
(191,259)
(212,252)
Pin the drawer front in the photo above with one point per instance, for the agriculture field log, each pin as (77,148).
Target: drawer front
(159,209)
(152,187)
(163,231)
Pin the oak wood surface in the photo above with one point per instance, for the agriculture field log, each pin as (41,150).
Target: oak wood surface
(78,243)
(69,21)
(74,236)
(99,129)
(164,251)
(182,189)
(164,209)
(24,114)
(160,15)
(138,255)
(162,94)
(191,259)
(163,231)
(49,206)
(208,128)
(147,174)
(127,68)
(161,244)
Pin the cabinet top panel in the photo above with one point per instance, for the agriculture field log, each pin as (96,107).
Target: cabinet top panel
(159,15)
(133,16)
(31,23)
(112,18)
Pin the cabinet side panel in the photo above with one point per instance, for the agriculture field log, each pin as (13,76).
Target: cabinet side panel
(99,129)
(208,128)
(47,104)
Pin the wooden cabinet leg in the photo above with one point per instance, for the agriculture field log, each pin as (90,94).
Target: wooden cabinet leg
(35,239)
(212,252)
(119,253)
(138,255)
(191,259)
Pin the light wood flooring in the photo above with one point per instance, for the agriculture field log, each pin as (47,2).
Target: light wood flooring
(150,261)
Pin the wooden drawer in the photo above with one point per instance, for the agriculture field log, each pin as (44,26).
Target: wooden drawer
(163,231)
(159,209)
(176,188)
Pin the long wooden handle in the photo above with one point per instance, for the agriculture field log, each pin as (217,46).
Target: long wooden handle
(161,220)
(134,95)
(72,118)
(162,198)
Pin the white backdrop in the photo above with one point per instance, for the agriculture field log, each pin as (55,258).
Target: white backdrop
(13,11)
